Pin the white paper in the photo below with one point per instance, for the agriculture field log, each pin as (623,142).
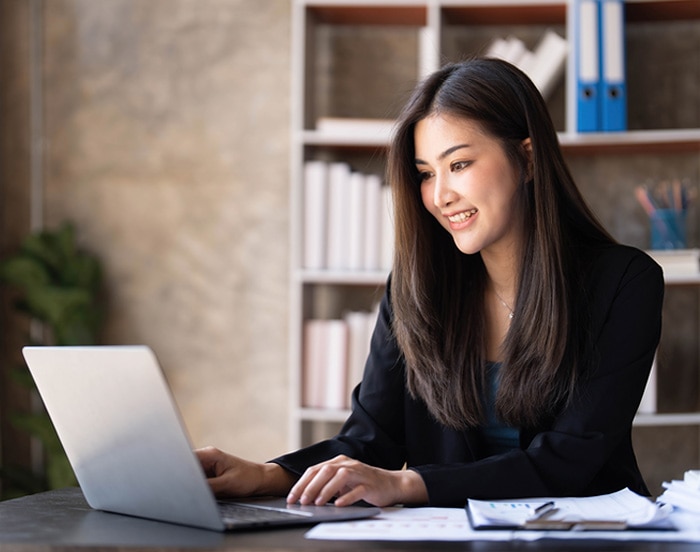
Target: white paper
(624,506)
(683,494)
(451,524)
(400,524)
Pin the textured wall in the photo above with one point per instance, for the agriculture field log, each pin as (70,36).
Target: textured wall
(167,145)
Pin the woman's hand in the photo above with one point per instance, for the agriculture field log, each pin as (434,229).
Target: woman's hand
(349,481)
(230,476)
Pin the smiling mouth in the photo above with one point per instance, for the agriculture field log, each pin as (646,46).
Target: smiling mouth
(461,217)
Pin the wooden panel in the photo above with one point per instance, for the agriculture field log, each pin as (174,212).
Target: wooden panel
(506,14)
(370,15)
(641,10)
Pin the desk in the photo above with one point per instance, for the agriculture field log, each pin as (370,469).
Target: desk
(62,520)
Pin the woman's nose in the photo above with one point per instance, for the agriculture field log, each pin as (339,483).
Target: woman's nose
(443,193)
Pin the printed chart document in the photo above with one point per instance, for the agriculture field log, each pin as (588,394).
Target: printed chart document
(620,510)
(401,524)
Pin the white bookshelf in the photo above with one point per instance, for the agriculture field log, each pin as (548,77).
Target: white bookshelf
(432,19)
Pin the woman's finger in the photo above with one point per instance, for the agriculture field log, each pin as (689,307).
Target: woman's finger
(303,488)
(352,495)
(335,486)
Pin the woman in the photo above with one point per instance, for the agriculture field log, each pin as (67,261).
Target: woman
(515,337)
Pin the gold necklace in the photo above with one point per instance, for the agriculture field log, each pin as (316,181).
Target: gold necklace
(510,311)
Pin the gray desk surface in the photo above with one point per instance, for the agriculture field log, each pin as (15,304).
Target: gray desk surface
(61,520)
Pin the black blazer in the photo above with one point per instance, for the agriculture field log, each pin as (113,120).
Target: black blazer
(585,450)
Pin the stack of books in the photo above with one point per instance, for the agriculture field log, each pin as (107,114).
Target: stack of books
(545,65)
(347,219)
(335,352)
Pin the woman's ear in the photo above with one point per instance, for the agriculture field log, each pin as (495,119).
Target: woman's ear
(527,146)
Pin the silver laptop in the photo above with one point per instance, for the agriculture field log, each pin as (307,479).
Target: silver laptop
(123,435)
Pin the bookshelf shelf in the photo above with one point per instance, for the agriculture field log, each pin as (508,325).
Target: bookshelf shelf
(367,12)
(636,141)
(323,415)
(369,278)
(504,12)
(682,280)
(325,33)
(357,139)
(664,419)
(661,10)
(633,141)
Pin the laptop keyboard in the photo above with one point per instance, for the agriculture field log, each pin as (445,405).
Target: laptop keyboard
(234,512)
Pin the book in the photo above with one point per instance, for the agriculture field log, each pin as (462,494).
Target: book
(359,325)
(325,364)
(648,403)
(587,65)
(357,183)
(510,49)
(313,381)
(387,229)
(548,62)
(338,240)
(335,362)
(315,211)
(428,52)
(372,223)
(613,90)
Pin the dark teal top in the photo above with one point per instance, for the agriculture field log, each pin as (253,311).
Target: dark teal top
(498,437)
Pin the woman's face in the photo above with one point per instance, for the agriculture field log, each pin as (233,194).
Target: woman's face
(468,184)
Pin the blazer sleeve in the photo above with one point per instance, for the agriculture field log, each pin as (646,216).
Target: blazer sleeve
(587,449)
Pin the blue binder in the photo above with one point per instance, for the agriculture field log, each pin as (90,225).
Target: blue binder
(613,88)
(587,65)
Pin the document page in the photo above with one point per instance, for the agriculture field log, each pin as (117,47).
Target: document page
(620,510)
(451,524)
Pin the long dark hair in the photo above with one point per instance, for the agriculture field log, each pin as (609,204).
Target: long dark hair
(437,292)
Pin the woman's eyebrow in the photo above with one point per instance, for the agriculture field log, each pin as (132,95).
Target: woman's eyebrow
(444,154)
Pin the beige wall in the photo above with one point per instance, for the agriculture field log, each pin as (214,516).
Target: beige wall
(166,125)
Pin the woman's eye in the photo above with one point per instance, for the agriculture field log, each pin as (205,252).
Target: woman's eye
(459,165)
(424,175)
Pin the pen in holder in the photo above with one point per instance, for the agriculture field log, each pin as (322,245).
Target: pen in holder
(668,229)
(666,204)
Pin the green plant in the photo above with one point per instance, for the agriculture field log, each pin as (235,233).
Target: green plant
(59,286)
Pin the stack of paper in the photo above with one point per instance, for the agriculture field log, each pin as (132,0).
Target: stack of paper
(683,494)
(619,510)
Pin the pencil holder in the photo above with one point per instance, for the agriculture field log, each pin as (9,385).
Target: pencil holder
(668,229)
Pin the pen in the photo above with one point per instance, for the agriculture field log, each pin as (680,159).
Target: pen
(541,510)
